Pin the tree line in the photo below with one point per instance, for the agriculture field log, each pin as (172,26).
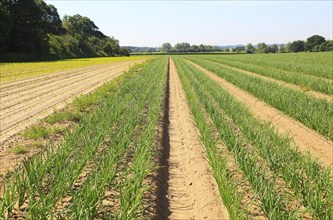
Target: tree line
(315,43)
(186,47)
(34,27)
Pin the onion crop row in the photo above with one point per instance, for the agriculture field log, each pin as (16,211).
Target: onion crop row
(315,113)
(310,183)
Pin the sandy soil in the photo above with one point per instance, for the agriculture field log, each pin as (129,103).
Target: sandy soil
(286,84)
(24,102)
(305,138)
(192,191)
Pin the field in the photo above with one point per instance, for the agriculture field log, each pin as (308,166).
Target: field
(180,137)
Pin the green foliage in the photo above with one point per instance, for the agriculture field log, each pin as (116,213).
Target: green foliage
(288,46)
(262,48)
(186,47)
(297,46)
(313,43)
(20,149)
(81,26)
(37,132)
(5,26)
(64,46)
(27,33)
(238,49)
(250,48)
(34,27)
(274,48)
(63,116)
(182,47)
(166,47)
(326,46)
(282,48)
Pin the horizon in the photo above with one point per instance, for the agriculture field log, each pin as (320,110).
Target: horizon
(219,23)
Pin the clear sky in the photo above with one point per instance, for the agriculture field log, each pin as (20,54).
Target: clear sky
(151,23)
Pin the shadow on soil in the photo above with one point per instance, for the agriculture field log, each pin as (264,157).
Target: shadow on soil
(162,200)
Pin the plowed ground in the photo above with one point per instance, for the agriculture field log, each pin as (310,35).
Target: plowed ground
(24,102)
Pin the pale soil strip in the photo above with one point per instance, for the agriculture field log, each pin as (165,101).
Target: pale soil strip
(48,104)
(282,83)
(193,193)
(305,138)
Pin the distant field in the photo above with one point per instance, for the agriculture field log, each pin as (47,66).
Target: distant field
(14,71)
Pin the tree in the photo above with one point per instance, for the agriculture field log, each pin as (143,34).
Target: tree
(288,46)
(226,50)
(297,46)
(238,49)
(194,48)
(282,48)
(34,27)
(124,51)
(79,25)
(326,46)
(50,19)
(5,27)
(27,33)
(262,48)
(182,47)
(250,48)
(201,48)
(313,43)
(274,48)
(166,47)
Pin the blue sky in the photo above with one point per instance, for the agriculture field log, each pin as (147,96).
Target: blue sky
(151,23)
